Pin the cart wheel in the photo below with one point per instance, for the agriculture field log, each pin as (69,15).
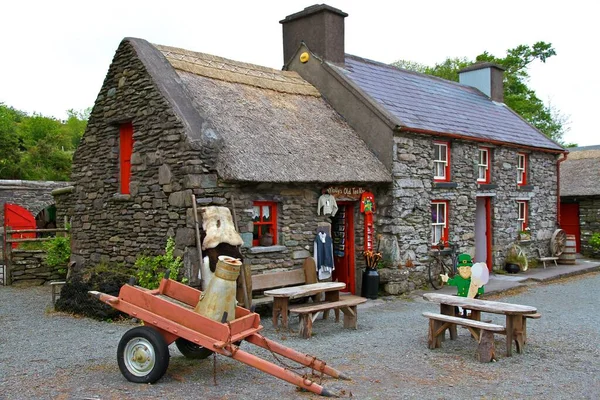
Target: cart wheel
(143,355)
(192,350)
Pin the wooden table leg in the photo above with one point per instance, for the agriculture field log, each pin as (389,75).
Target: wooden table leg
(509,335)
(519,333)
(331,296)
(280,307)
(448,310)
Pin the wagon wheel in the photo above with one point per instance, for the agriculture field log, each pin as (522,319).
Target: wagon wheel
(558,242)
(192,350)
(143,355)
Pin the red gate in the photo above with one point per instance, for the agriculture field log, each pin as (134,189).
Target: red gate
(16,218)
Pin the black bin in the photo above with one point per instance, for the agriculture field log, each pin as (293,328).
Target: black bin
(370,283)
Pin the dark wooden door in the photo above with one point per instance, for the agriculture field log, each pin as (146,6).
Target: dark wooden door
(569,221)
(16,218)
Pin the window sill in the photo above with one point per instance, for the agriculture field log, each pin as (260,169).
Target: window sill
(487,186)
(266,249)
(121,197)
(445,185)
(525,188)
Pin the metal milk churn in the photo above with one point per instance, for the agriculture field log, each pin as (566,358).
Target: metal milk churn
(219,296)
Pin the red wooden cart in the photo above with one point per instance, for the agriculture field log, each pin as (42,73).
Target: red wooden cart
(168,316)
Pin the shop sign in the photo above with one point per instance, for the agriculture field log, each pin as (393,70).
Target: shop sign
(346,192)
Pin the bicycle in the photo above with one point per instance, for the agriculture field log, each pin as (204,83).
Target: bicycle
(439,266)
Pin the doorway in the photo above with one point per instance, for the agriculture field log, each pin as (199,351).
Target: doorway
(569,222)
(342,227)
(483,231)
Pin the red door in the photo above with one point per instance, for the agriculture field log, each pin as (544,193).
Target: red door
(343,246)
(569,221)
(15,218)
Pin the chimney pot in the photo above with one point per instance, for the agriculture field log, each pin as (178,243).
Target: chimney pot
(321,27)
(485,76)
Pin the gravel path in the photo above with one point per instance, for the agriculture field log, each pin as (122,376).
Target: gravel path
(47,355)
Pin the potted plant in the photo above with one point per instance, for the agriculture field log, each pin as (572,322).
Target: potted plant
(515,261)
(525,234)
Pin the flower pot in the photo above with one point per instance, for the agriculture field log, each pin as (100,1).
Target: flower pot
(512,268)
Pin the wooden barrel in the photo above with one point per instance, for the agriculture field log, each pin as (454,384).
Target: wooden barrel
(568,256)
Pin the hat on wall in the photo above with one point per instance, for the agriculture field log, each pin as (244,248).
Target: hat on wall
(464,260)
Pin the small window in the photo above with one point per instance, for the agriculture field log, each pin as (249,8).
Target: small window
(521,169)
(523,219)
(264,218)
(439,221)
(441,161)
(125,150)
(483,166)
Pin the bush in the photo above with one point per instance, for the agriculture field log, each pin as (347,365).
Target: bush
(595,241)
(151,269)
(58,252)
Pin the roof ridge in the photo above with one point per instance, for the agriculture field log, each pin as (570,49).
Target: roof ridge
(216,67)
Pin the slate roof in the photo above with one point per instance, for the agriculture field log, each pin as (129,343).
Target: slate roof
(424,102)
(275,126)
(580,173)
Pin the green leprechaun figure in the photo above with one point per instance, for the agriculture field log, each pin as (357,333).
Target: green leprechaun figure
(462,281)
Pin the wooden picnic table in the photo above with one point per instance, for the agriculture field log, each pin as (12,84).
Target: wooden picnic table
(282,296)
(515,315)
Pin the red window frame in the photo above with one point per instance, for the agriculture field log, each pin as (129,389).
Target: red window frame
(272,224)
(522,217)
(125,151)
(488,175)
(446,178)
(446,228)
(522,170)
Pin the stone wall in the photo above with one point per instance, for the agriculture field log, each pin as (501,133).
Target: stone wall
(405,215)
(111,227)
(28,267)
(589,221)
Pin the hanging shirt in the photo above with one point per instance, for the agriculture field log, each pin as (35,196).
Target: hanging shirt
(324,255)
(367,203)
(329,205)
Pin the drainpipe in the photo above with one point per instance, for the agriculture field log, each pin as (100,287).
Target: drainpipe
(560,160)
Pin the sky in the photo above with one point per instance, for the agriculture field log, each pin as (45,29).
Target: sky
(54,55)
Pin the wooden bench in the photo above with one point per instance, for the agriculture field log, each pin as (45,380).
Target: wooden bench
(273,280)
(528,316)
(483,332)
(544,259)
(308,312)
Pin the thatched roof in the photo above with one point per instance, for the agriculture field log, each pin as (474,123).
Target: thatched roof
(275,126)
(580,173)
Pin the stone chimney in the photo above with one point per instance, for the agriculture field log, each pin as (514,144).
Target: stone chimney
(485,76)
(321,27)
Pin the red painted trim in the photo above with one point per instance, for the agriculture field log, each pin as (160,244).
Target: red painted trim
(125,151)
(448,161)
(560,160)
(525,166)
(446,231)
(489,232)
(525,212)
(488,175)
(349,249)
(478,140)
(272,224)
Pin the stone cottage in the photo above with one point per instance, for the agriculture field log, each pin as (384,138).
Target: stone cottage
(466,168)
(408,159)
(580,196)
(169,123)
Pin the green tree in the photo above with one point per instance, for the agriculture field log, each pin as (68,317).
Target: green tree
(37,147)
(517,94)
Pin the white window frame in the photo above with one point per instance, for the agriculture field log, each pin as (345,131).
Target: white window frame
(441,163)
(522,211)
(483,165)
(435,226)
(521,168)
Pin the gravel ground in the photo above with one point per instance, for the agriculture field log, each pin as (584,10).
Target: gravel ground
(48,355)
